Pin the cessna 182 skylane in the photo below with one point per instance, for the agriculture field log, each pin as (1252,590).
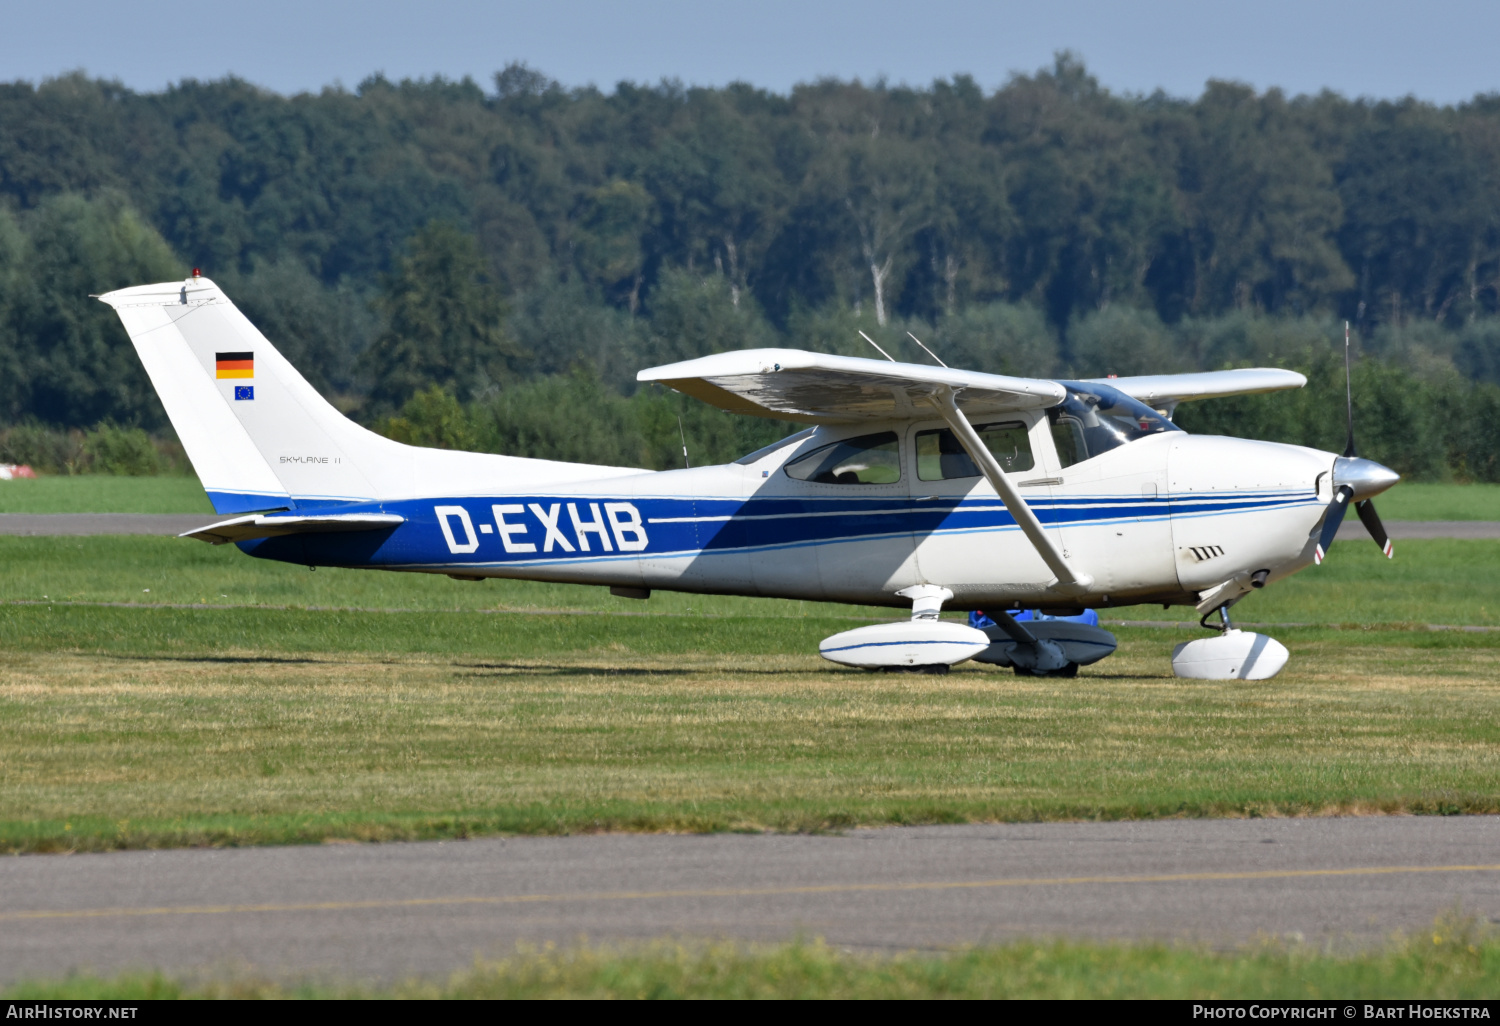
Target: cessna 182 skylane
(912,484)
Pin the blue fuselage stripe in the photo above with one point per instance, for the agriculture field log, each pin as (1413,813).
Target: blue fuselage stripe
(558,530)
(887,644)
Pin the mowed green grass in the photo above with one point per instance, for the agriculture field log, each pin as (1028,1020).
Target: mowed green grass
(166,570)
(1453,960)
(102,493)
(87,493)
(147,724)
(146,727)
(1416,501)
(1438,581)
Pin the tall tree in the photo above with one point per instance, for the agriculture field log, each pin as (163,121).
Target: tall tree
(1262,206)
(79,366)
(1418,223)
(444,322)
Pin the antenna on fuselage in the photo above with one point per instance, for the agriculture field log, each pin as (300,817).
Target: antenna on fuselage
(870,340)
(929,352)
(683,435)
(1348,394)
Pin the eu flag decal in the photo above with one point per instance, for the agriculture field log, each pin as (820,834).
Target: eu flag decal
(244,392)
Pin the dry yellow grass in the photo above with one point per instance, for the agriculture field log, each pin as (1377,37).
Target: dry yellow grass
(108,749)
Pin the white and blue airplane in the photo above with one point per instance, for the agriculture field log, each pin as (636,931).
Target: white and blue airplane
(912,485)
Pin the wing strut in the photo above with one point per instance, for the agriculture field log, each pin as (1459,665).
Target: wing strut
(1067,578)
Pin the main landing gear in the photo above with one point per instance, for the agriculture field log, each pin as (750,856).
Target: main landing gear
(926,644)
(1043,647)
(923,644)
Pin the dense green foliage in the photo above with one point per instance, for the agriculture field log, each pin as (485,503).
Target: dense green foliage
(105,449)
(521,247)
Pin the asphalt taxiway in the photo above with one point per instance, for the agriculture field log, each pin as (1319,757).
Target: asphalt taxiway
(366,911)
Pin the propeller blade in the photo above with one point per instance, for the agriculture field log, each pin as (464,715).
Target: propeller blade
(1331,521)
(1367,516)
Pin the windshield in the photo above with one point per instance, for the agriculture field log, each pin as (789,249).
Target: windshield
(1094,419)
(762,453)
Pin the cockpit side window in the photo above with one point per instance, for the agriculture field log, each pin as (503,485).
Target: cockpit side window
(1093,419)
(868,459)
(940,457)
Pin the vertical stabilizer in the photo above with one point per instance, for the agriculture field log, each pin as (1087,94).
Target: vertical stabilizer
(258,434)
(233,472)
(260,437)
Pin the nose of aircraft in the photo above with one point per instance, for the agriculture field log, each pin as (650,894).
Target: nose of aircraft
(1366,477)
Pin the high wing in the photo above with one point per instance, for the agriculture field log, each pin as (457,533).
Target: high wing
(258,525)
(1165,391)
(791,384)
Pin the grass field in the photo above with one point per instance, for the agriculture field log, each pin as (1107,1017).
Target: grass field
(217,709)
(146,727)
(155,691)
(1439,581)
(90,493)
(102,494)
(1452,960)
(1416,501)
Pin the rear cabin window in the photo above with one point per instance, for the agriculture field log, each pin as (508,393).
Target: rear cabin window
(867,460)
(940,457)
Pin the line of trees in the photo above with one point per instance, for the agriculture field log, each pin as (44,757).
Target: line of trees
(490,268)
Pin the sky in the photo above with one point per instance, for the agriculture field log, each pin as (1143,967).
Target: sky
(1439,50)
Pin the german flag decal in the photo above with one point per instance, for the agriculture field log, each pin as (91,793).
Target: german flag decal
(234,365)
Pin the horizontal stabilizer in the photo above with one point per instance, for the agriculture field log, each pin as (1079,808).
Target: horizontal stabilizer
(791,384)
(259,525)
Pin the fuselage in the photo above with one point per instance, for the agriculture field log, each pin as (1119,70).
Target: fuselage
(1158,519)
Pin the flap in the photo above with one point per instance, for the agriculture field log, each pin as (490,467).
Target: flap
(790,384)
(271,526)
(1171,389)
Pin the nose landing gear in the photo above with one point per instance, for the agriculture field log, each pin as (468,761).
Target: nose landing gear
(1232,655)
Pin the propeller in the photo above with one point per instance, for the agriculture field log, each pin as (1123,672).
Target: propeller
(1335,516)
(1355,478)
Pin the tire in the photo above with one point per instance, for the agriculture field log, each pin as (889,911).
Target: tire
(1071,670)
